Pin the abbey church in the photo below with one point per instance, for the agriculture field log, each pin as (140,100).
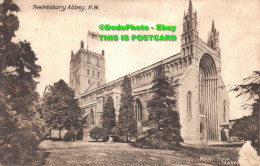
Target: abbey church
(202,100)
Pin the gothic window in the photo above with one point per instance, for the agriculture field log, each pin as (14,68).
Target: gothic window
(98,74)
(91,121)
(211,44)
(93,73)
(224,112)
(189,38)
(184,52)
(185,63)
(172,68)
(201,131)
(88,71)
(97,62)
(187,48)
(189,61)
(188,26)
(185,40)
(167,69)
(138,110)
(88,81)
(201,127)
(98,83)
(189,104)
(190,50)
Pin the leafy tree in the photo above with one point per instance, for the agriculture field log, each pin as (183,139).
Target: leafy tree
(61,109)
(98,133)
(109,116)
(246,128)
(70,135)
(9,20)
(20,122)
(249,127)
(163,120)
(127,125)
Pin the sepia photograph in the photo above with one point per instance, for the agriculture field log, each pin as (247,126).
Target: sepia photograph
(129,83)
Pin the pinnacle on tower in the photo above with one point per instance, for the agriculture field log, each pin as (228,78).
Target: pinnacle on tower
(82,44)
(213,39)
(213,26)
(190,6)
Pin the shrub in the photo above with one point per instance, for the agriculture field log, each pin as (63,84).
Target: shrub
(23,144)
(154,141)
(70,135)
(80,134)
(98,133)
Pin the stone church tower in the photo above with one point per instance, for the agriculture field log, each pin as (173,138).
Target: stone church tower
(87,70)
(190,32)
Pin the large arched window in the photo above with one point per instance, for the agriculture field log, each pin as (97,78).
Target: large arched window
(138,110)
(189,104)
(208,79)
(91,118)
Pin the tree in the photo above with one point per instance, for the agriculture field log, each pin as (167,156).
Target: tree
(250,88)
(9,20)
(127,125)
(163,120)
(245,127)
(61,108)
(97,133)
(109,116)
(20,122)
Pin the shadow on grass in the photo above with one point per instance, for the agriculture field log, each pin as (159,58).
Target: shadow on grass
(140,145)
(203,154)
(39,159)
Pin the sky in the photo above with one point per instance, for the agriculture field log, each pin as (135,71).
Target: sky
(54,33)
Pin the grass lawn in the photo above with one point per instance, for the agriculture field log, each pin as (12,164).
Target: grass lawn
(118,154)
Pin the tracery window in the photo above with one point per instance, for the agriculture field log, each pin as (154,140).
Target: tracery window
(189,104)
(138,110)
(91,122)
